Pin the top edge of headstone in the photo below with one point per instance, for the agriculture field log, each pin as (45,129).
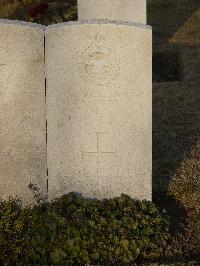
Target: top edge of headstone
(21,23)
(73,23)
(98,21)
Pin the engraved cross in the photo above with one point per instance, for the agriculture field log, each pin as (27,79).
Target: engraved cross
(98,152)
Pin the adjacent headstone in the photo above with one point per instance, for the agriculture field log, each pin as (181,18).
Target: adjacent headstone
(99,109)
(22,109)
(127,10)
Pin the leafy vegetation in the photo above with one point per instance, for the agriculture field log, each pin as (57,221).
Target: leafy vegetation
(73,230)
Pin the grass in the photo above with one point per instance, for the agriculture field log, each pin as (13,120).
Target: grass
(176,116)
(168,16)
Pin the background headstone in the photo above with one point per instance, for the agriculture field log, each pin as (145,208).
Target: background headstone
(127,10)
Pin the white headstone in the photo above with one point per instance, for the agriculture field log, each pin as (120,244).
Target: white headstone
(127,10)
(22,109)
(99,102)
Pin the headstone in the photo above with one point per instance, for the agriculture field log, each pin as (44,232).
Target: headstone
(22,109)
(99,102)
(127,10)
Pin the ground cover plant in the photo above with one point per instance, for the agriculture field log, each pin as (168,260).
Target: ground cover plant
(72,230)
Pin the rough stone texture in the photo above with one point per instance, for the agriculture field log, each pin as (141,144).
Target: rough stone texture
(128,10)
(22,23)
(99,109)
(97,21)
(22,109)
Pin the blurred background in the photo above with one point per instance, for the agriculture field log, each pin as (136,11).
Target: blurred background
(43,12)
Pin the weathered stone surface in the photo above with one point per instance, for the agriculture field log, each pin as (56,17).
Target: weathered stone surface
(128,10)
(99,109)
(22,109)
